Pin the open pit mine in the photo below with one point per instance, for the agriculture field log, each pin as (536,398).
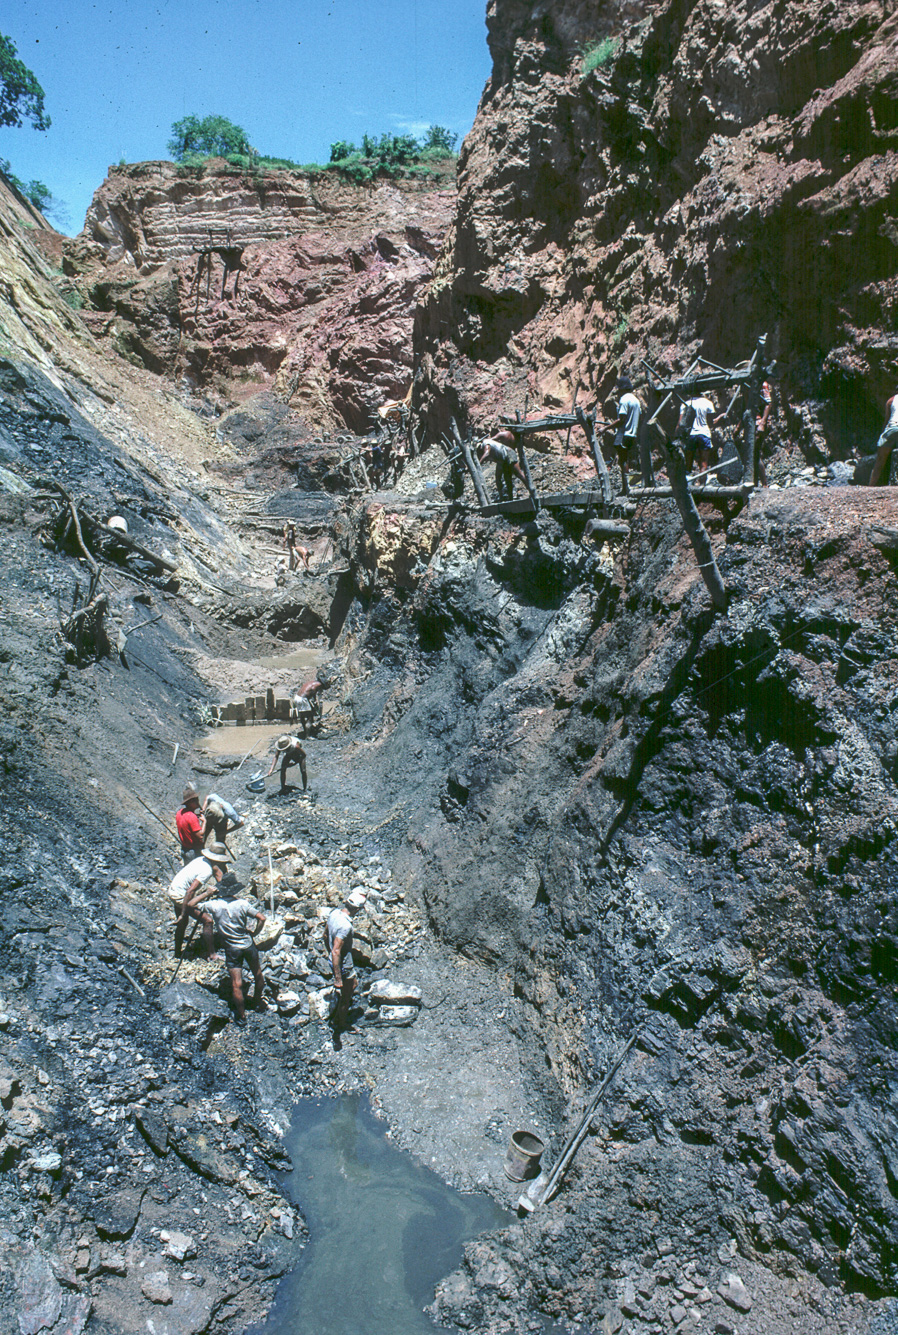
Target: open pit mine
(602,741)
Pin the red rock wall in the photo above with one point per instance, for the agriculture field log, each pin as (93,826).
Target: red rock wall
(230,284)
(731,169)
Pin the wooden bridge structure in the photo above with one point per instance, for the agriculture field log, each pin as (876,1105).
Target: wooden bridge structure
(746,381)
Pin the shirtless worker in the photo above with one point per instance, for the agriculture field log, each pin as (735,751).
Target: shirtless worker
(189,888)
(338,940)
(232,917)
(290,751)
(307,705)
(189,825)
(500,449)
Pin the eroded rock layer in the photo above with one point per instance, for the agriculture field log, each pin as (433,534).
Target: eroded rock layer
(232,282)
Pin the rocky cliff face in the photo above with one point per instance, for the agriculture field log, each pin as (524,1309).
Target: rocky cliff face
(721,172)
(232,282)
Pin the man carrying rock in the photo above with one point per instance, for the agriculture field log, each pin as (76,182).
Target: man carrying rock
(236,922)
(216,815)
(189,825)
(188,890)
(290,751)
(338,940)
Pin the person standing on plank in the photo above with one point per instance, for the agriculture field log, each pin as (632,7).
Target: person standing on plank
(629,412)
(500,449)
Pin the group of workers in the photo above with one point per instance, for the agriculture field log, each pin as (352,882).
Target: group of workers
(206,892)
(696,434)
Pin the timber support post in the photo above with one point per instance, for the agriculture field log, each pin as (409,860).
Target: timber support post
(692,522)
(755,382)
(589,430)
(471,463)
(525,469)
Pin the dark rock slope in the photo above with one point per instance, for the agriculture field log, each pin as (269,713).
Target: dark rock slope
(646,817)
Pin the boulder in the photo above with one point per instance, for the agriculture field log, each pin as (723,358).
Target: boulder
(386,993)
(289,1003)
(269,933)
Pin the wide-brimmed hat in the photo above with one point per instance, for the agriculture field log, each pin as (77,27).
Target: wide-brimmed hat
(216,853)
(189,795)
(284,742)
(356,900)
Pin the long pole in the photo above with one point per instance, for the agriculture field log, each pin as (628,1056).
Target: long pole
(155,817)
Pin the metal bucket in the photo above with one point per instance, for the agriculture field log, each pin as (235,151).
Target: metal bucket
(522,1156)
(256,784)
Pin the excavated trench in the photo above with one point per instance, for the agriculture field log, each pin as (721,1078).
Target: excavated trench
(582,807)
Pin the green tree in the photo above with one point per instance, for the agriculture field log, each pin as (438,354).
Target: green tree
(213,136)
(440,139)
(342,149)
(20,93)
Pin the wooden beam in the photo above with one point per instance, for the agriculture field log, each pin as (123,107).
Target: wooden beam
(589,430)
(692,522)
(471,463)
(662,493)
(525,468)
(534,428)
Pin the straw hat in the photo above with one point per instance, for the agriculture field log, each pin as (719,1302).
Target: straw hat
(284,742)
(216,853)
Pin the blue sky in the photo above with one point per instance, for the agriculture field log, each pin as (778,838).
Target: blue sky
(295,74)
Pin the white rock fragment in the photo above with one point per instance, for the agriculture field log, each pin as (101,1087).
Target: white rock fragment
(734,1292)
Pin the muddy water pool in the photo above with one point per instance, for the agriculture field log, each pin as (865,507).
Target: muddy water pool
(384,1230)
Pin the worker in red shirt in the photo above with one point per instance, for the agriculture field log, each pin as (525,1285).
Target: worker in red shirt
(190,825)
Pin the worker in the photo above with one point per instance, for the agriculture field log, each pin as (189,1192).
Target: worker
(219,818)
(696,421)
(303,553)
(290,751)
(290,543)
(886,443)
(307,706)
(629,413)
(232,917)
(189,825)
(500,449)
(190,886)
(338,941)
